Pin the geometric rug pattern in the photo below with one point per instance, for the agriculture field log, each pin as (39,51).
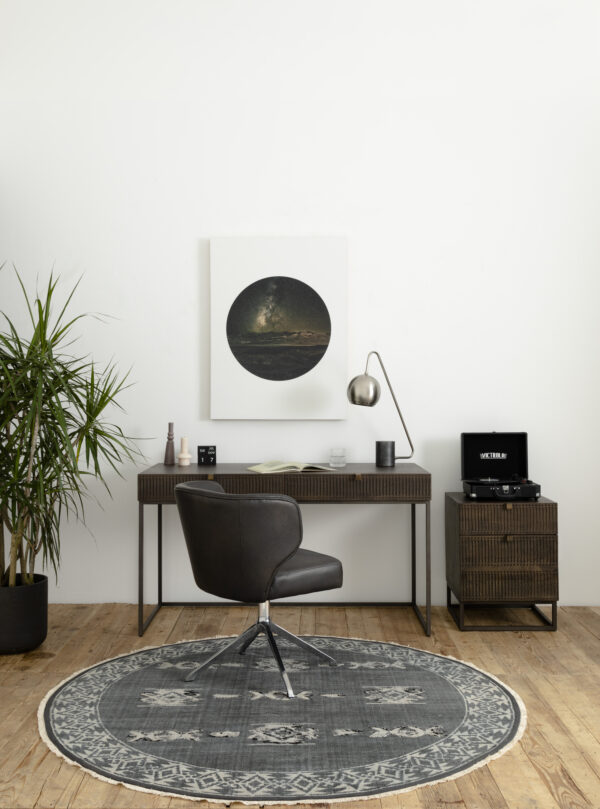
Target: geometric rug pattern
(386,718)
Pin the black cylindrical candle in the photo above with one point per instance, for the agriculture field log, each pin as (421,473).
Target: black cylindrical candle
(385,453)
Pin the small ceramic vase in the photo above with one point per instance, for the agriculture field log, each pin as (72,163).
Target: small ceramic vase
(183,459)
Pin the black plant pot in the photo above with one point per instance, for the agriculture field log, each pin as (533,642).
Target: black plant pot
(23,615)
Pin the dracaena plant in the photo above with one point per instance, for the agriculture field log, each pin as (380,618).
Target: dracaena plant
(54,431)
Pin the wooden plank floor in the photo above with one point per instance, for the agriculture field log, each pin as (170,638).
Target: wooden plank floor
(556,763)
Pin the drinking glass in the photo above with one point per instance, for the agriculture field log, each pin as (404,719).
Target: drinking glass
(337,457)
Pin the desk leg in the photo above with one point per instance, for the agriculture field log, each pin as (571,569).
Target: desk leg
(413,553)
(159,559)
(141,569)
(428,565)
(143,625)
(424,620)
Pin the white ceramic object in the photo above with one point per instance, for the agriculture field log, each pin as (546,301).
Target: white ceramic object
(183,459)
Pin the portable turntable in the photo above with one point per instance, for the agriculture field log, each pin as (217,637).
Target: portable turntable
(494,467)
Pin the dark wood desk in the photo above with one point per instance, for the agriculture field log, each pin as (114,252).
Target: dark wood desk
(356,483)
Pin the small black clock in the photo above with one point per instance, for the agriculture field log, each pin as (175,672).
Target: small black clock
(207,456)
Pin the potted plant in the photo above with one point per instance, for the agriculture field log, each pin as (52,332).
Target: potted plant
(54,437)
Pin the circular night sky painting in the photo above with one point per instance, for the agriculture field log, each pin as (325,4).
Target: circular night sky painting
(278,328)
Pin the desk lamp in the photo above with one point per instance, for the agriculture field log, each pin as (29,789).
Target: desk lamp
(365,390)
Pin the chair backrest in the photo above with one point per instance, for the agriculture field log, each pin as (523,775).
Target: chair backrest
(236,542)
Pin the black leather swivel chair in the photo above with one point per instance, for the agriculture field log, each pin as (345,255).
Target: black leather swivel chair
(246,547)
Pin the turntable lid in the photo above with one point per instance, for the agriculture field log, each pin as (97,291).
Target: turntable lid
(493,455)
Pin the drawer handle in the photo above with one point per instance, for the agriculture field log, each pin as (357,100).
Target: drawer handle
(509,537)
(508,506)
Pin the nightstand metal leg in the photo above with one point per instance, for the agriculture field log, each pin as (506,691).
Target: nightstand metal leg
(457,611)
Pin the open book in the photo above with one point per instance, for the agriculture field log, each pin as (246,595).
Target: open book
(288,466)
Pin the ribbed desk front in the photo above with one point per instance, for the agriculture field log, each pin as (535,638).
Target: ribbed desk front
(404,483)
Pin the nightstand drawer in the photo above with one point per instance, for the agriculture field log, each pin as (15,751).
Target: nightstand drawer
(509,552)
(508,518)
(502,586)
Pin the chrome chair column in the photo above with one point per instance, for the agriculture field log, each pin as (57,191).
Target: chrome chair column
(270,629)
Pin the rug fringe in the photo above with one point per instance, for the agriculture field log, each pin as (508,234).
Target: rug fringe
(517,737)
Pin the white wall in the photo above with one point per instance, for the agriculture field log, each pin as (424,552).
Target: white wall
(455,144)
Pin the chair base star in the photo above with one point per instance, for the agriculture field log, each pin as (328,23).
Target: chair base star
(264,625)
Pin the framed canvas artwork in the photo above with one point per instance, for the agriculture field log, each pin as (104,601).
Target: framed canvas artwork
(278,327)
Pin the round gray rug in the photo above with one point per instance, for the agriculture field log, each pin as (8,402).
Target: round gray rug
(386,718)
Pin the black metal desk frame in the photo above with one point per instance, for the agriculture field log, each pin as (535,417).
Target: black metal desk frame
(356,483)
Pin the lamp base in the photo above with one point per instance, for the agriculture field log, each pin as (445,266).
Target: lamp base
(385,453)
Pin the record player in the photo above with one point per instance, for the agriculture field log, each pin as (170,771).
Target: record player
(494,467)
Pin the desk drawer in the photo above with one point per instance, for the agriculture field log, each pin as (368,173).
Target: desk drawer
(305,487)
(507,518)
(380,488)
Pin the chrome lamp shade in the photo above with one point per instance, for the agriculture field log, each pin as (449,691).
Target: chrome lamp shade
(365,390)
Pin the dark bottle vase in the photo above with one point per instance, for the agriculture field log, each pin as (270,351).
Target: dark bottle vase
(23,615)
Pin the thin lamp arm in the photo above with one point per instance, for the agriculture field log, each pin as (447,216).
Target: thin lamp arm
(412,449)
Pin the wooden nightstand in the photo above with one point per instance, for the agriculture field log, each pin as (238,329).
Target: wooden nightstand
(501,554)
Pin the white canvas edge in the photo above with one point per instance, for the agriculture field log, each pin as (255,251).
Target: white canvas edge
(320,262)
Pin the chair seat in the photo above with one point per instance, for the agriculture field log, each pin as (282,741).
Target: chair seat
(306,572)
